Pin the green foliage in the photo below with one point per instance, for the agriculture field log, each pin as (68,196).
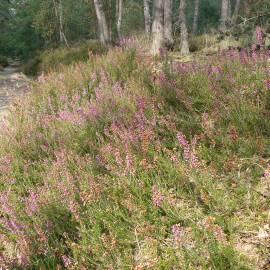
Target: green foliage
(95,173)
(52,60)
(56,59)
(3,61)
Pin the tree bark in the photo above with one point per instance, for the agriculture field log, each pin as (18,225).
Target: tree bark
(224,15)
(184,47)
(236,9)
(229,9)
(168,23)
(102,23)
(196,17)
(147,17)
(59,15)
(119,13)
(61,28)
(158,27)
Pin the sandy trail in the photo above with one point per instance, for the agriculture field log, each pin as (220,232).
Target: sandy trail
(12,85)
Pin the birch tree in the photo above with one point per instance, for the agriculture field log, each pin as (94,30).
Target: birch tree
(158,27)
(224,15)
(147,17)
(104,35)
(196,16)
(236,9)
(168,23)
(184,46)
(58,7)
(119,16)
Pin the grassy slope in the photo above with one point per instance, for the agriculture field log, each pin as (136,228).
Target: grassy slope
(126,162)
(57,58)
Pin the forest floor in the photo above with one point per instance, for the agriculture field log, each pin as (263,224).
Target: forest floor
(12,85)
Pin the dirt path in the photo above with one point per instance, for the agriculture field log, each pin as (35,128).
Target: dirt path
(12,84)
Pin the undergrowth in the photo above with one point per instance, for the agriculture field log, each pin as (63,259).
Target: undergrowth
(129,162)
(57,58)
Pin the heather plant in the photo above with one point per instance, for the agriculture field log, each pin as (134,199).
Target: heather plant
(129,162)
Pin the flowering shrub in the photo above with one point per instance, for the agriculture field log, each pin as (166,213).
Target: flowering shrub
(127,162)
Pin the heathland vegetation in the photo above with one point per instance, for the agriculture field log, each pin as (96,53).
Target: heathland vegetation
(136,148)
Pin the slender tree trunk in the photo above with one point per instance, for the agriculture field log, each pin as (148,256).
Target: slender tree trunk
(168,23)
(62,33)
(147,17)
(102,23)
(59,15)
(196,17)
(119,13)
(184,47)
(224,15)
(158,27)
(229,9)
(236,9)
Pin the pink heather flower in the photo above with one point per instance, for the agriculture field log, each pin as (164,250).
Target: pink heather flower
(268,84)
(157,197)
(12,181)
(178,232)
(128,42)
(266,174)
(5,204)
(174,159)
(93,111)
(129,161)
(163,52)
(182,139)
(63,98)
(23,260)
(141,104)
(73,208)
(194,162)
(32,203)
(254,53)
(118,157)
(161,78)
(243,57)
(39,136)
(46,120)
(67,261)
(6,164)
(253,47)
(14,226)
(189,152)
(260,36)
(76,98)
(216,70)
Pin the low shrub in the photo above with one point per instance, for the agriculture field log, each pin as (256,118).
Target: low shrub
(55,59)
(198,43)
(3,61)
(128,162)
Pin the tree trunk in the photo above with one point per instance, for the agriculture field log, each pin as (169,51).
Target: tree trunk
(229,9)
(61,28)
(158,27)
(184,47)
(119,15)
(224,15)
(168,23)
(102,23)
(147,17)
(59,15)
(236,9)
(196,17)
